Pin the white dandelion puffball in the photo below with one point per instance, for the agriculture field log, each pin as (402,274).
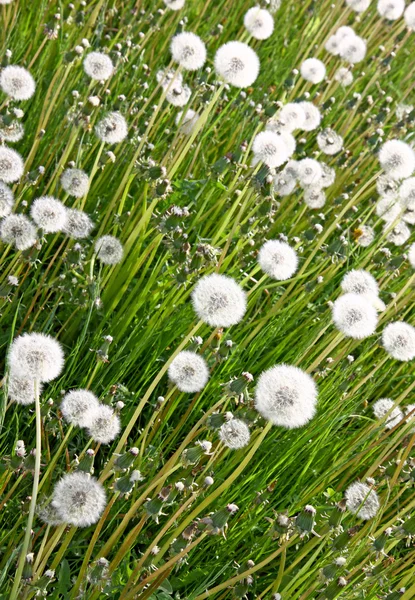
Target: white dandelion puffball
(17,82)
(344,76)
(78,224)
(78,407)
(409,16)
(188,50)
(109,250)
(6,200)
(271,148)
(234,434)
(49,214)
(388,209)
(75,182)
(22,390)
(382,407)
(411,255)
(359,281)
(407,193)
(328,176)
(178,95)
(361,500)
(189,372)
(218,300)
(313,70)
(397,158)
(104,425)
(399,234)
(11,165)
(309,172)
(355,316)
(18,231)
(36,356)
(284,184)
(286,396)
(329,141)
(398,339)
(98,66)
(366,236)
(174,4)
(314,196)
(353,49)
(332,45)
(13,132)
(344,32)
(112,129)
(278,260)
(187,122)
(259,23)
(391,9)
(387,187)
(312,116)
(358,5)
(79,499)
(237,64)
(292,116)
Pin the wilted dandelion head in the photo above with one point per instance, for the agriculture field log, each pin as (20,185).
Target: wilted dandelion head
(409,16)
(49,214)
(273,149)
(78,224)
(188,50)
(382,407)
(78,407)
(361,500)
(218,300)
(109,250)
(187,122)
(189,372)
(355,316)
(112,128)
(11,165)
(174,4)
(329,141)
(397,159)
(234,434)
(18,231)
(75,182)
(344,76)
(391,9)
(178,94)
(104,425)
(399,234)
(292,116)
(36,356)
(98,66)
(359,281)
(6,200)
(12,132)
(353,49)
(314,196)
(398,339)
(313,70)
(358,5)
(237,64)
(312,116)
(17,82)
(278,260)
(79,499)
(259,23)
(21,389)
(286,396)
(309,172)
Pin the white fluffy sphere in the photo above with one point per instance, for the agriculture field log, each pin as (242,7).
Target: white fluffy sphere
(98,66)
(355,316)
(313,70)
(359,281)
(49,214)
(112,129)
(79,499)
(104,424)
(36,356)
(237,64)
(397,159)
(17,82)
(361,500)
(18,231)
(75,182)
(189,372)
(391,9)
(382,407)
(11,165)
(278,260)
(234,434)
(188,50)
(78,407)
(109,250)
(272,148)
(398,339)
(218,300)
(259,23)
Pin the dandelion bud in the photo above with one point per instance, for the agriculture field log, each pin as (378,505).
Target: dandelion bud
(154,508)
(17,82)
(208,481)
(112,129)
(36,356)
(109,250)
(189,372)
(124,461)
(398,339)
(49,214)
(313,70)
(380,542)
(78,407)
(355,316)
(98,66)
(11,165)
(278,260)
(219,301)
(188,50)
(104,425)
(361,500)
(236,63)
(79,499)
(234,434)
(191,456)
(305,521)
(86,464)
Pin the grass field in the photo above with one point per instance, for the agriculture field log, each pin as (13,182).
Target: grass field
(186,516)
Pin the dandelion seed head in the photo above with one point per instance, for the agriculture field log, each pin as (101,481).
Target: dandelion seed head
(49,214)
(21,389)
(388,209)
(188,50)
(78,407)
(189,372)
(79,499)
(178,95)
(361,500)
(13,132)
(409,16)
(98,65)
(174,4)
(104,425)
(398,339)
(355,316)
(278,260)
(11,165)
(234,434)
(187,122)
(411,255)
(259,23)
(219,300)
(273,149)
(407,193)
(17,82)
(284,184)
(6,200)
(75,182)
(18,231)
(314,197)
(309,172)
(286,396)
(328,176)
(237,64)
(329,141)
(397,159)
(358,6)
(387,187)
(359,281)
(366,236)
(344,76)
(292,116)
(78,224)
(112,129)
(312,116)
(353,49)
(382,407)
(109,250)
(391,9)
(399,234)
(332,45)
(313,70)
(36,356)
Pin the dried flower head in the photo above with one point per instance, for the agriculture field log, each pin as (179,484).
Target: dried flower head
(188,50)
(112,129)
(79,499)
(11,132)
(178,94)
(313,70)
(361,500)
(237,64)
(78,224)
(398,339)
(259,23)
(382,407)
(17,82)
(104,425)
(49,214)
(109,250)
(78,407)
(35,356)
(399,234)
(278,260)
(234,434)
(189,372)
(18,231)
(98,66)
(75,182)
(292,116)
(355,316)
(11,165)
(218,300)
